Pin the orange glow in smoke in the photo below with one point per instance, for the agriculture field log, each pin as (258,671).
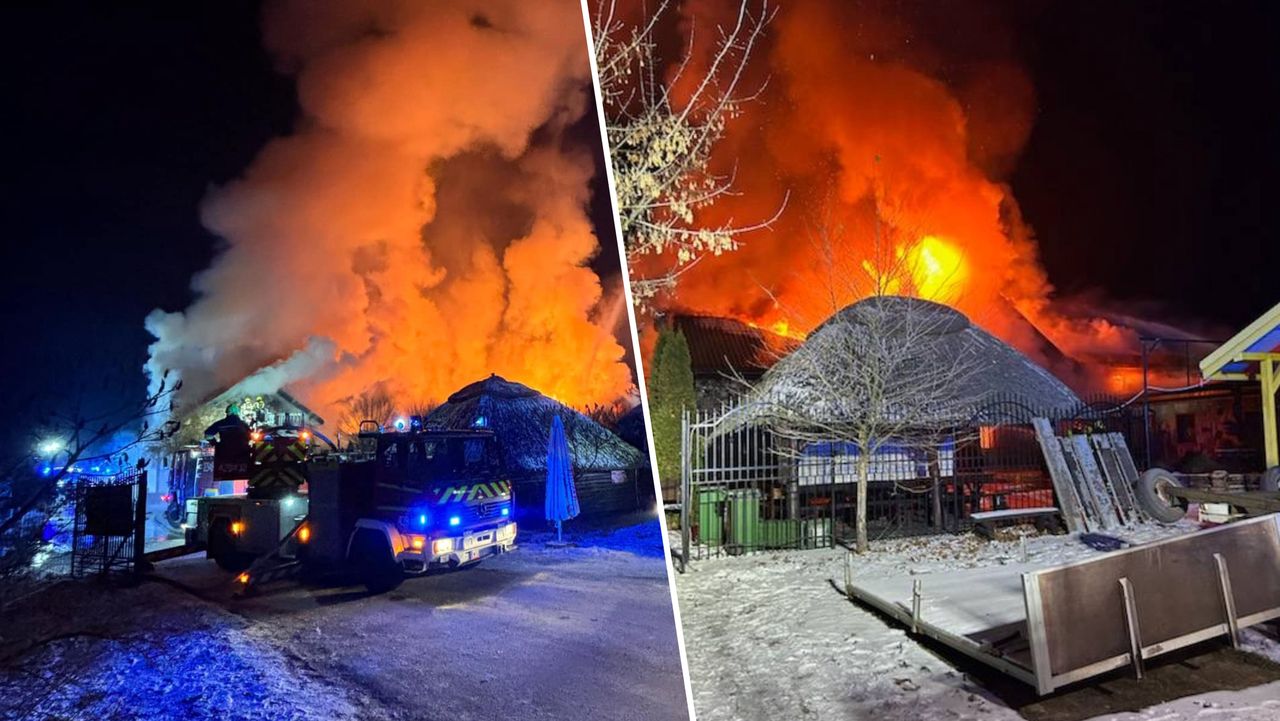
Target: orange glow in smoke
(424,224)
(1124,379)
(900,170)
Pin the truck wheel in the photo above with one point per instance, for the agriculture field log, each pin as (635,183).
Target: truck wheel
(1153,498)
(371,554)
(222,548)
(1271,479)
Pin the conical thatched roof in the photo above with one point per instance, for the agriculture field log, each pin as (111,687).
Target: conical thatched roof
(932,348)
(521,417)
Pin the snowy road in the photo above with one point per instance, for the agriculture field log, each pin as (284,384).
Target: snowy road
(770,637)
(582,632)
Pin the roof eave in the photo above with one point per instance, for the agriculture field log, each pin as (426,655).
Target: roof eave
(1236,349)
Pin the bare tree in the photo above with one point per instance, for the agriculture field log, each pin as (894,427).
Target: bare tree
(664,119)
(421,407)
(885,371)
(374,405)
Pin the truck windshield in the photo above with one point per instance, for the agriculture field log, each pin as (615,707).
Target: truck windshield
(424,460)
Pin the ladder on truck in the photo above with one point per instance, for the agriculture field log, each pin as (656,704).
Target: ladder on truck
(276,565)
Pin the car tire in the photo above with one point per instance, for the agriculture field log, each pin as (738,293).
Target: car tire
(222,548)
(1151,496)
(1271,479)
(371,554)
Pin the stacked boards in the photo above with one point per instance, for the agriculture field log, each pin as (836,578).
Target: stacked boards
(1093,478)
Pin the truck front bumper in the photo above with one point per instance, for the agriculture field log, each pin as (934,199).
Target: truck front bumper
(453,551)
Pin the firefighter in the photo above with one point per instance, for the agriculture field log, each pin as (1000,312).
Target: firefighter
(231,449)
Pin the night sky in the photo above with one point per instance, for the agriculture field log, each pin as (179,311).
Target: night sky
(1146,175)
(1152,168)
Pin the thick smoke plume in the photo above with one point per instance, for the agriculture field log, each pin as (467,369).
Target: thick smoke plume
(892,126)
(424,225)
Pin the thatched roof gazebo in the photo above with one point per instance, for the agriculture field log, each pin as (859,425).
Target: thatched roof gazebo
(611,475)
(916,346)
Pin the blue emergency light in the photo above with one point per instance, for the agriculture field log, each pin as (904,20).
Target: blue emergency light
(454,520)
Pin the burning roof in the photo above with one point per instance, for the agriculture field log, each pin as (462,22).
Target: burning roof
(727,346)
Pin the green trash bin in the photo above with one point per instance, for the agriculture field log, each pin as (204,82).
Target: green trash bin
(744,518)
(778,533)
(710,516)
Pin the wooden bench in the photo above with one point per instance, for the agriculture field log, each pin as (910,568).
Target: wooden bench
(986,522)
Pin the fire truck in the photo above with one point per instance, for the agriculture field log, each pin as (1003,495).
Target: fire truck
(401,503)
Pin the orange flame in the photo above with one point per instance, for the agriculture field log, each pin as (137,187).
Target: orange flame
(863,133)
(423,225)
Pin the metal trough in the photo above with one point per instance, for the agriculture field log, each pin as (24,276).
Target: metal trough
(1051,627)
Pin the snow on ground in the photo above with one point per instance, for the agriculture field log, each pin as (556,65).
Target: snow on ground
(1261,703)
(583,631)
(771,636)
(148,653)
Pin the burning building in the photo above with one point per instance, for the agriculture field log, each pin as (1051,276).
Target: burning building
(727,355)
(424,223)
(884,140)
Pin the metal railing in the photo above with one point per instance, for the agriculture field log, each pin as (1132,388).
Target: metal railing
(744,488)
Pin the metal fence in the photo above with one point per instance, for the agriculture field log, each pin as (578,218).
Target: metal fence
(745,488)
(108,532)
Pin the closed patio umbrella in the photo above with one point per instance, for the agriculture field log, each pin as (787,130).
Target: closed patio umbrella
(562,497)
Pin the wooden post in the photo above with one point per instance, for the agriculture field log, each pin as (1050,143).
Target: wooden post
(915,606)
(1270,384)
(1228,600)
(1131,624)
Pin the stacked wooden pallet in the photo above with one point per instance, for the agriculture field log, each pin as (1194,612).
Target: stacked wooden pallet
(1093,478)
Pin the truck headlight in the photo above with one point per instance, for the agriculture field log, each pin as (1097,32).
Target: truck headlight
(507,532)
(441,545)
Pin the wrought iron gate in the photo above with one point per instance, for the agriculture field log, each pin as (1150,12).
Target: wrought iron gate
(109,528)
(742,491)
